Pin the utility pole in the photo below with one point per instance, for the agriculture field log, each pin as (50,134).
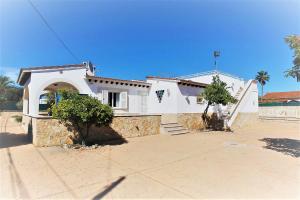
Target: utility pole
(216,54)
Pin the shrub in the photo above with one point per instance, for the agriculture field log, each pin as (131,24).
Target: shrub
(81,112)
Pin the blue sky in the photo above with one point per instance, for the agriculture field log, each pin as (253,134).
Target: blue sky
(133,39)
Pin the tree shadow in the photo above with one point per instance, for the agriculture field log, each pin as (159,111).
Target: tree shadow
(286,146)
(12,139)
(98,135)
(108,188)
(213,122)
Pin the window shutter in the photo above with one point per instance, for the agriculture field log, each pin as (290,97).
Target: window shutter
(104,96)
(123,97)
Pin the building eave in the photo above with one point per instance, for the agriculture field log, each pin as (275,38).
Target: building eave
(182,82)
(114,81)
(25,73)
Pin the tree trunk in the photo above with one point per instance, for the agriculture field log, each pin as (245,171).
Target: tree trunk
(262,92)
(204,115)
(87,131)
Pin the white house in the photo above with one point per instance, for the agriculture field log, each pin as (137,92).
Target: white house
(155,95)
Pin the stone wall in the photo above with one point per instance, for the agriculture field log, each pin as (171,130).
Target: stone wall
(191,121)
(26,124)
(283,112)
(49,132)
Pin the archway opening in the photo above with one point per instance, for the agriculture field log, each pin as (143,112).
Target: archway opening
(50,95)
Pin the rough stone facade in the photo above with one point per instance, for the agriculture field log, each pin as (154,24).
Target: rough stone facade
(49,132)
(191,121)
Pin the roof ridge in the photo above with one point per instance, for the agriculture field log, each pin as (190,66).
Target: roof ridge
(208,73)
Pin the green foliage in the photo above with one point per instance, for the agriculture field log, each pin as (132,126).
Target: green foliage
(9,91)
(5,84)
(294,43)
(81,112)
(262,77)
(18,118)
(216,93)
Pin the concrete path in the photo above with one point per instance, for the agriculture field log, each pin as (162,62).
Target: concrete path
(260,162)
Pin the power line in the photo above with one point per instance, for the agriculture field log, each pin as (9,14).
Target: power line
(53,31)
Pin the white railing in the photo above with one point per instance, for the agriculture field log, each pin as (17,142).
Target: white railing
(236,108)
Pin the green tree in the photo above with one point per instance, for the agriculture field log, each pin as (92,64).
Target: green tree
(216,93)
(80,112)
(5,84)
(262,77)
(294,43)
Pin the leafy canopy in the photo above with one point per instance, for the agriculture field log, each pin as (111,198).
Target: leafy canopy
(217,93)
(9,91)
(294,43)
(81,112)
(262,77)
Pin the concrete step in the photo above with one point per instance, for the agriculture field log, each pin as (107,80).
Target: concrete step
(172,126)
(180,133)
(174,129)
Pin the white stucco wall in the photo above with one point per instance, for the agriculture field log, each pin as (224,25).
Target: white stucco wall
(41,79)
(169,99)
(233,82)
(136,96)
(176,99)
(249,104)
(187,100)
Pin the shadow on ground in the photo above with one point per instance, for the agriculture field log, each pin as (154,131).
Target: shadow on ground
(286,146)
(109,188)
(12,139)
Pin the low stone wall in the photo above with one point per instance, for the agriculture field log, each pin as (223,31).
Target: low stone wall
(191,121)
(283,112)
(49,132)
(26,124)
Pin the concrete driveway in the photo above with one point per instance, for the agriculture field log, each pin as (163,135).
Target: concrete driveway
(260,161)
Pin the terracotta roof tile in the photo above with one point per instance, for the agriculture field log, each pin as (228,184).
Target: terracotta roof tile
(281,96)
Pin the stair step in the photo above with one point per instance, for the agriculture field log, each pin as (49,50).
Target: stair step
(177,130)
(180,133)
(175,126)
(171,123)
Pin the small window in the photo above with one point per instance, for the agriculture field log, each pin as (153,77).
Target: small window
(114,99)
(200,99)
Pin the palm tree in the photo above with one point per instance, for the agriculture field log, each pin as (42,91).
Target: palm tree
(262,77)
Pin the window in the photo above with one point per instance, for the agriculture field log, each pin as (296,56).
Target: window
(114,99)
(200,99)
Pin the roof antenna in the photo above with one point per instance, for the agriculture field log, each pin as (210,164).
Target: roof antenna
(216,54)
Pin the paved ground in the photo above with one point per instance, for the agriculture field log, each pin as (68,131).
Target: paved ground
(260,162)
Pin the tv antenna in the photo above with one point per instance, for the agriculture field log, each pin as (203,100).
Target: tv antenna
(216,54)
